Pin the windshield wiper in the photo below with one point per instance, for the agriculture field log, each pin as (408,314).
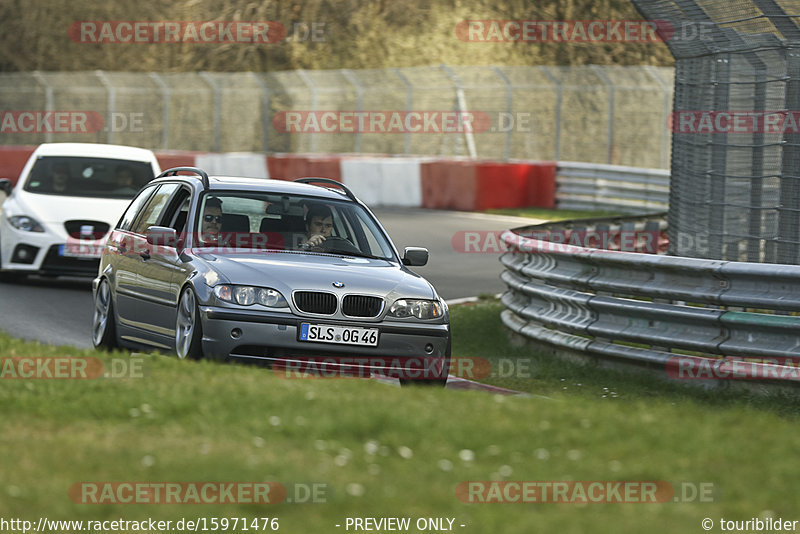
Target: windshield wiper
(359,254)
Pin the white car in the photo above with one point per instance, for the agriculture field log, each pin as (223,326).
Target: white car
(68,197)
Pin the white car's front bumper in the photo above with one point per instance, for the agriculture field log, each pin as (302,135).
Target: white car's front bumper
(44,252)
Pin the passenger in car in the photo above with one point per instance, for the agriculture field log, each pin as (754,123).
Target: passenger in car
(319,225)
(60,178)
(212,221)
(123,180)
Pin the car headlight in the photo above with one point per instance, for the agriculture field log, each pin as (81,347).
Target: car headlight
(25,223)
(249,295)
(421,309)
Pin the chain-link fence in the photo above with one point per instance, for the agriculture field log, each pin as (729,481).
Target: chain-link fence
(735,185)
(596,114)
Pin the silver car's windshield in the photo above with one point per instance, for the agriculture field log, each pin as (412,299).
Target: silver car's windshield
(88,177)
(289,222)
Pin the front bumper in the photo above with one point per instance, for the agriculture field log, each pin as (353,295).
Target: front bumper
(415,351)
(46,258)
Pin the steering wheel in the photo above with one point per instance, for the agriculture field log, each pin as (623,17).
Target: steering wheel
(339,244)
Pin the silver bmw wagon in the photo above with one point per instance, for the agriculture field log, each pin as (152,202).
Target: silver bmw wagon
(299,275)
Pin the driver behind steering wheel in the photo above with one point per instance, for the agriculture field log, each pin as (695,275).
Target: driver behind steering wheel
(319,226)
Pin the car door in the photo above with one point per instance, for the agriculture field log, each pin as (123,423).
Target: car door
(122,272)
(149,295)
(161,270)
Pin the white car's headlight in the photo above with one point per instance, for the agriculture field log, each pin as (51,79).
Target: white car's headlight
(25,223)
(421,309)
(249,295)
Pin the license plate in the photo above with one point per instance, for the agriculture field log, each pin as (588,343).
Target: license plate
(344,335)
(74,250)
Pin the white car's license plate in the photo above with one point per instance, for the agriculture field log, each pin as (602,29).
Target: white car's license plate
(347,335)
(73,250)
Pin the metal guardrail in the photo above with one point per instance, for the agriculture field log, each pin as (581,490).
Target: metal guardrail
(590,186)
(648,308)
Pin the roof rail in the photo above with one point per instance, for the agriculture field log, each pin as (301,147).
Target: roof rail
(199,172)
(347,191)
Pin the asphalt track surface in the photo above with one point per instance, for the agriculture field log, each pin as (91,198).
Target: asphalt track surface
(59,311)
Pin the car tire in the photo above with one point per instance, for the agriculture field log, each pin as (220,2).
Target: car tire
(188,327)
(104,324)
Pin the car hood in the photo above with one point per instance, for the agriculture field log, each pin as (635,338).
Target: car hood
(286,272)
(56,209)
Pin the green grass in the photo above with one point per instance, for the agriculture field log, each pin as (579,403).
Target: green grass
(384,451)
(478,333)
(554,215)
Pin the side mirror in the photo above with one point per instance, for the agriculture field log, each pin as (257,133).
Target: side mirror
(415,256)
(6,186)
(162,236)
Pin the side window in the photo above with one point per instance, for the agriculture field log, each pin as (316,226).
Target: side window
(176,214)
(153,210)
(133,210)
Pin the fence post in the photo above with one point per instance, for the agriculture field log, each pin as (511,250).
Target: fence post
(409,103)
(559,97)
(112,102)
(509,110)
(719,160)
(48,100)
(610,131)
(166,95)
(348,74)
(789,203)
(265,103)
(217,109)
(666,105)
(462,108)
(310,84)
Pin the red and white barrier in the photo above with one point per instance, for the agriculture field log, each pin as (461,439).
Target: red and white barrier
(384,181)
(292,166)
(243,164)
(456,184)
